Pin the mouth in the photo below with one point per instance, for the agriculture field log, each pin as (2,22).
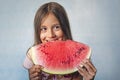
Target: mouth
(51,40)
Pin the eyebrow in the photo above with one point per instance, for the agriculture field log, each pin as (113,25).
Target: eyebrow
(42,26)
(56,24)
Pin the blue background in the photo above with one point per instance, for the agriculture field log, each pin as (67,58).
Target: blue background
(94,22)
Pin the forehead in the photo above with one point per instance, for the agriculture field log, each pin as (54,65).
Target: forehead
(49,19)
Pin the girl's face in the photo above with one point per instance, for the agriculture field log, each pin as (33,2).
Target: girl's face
(50,29)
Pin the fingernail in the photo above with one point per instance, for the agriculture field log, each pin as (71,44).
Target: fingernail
(81,64)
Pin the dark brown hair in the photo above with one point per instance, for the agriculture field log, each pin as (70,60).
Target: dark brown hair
(60,14)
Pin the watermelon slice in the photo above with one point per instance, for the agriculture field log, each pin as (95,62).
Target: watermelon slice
(60,57)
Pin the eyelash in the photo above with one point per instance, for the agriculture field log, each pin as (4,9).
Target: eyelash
(43,29)
(56,27)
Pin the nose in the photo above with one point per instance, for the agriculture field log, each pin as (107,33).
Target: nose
(51,34)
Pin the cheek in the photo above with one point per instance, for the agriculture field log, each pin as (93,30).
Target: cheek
(42,37)
(60,34)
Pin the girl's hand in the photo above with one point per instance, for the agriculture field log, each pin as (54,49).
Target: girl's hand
(88,71)
(35,72)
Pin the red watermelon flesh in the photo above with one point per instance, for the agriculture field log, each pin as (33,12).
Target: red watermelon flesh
(60,57)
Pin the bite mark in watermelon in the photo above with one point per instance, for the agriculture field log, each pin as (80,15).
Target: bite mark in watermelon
(60,57)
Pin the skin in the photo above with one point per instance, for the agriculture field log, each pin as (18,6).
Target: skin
(88,71)
(51,31)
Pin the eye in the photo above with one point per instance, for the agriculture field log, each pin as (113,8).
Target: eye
(43,29)
(57,27)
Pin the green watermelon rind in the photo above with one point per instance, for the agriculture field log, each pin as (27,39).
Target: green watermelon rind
(54,71)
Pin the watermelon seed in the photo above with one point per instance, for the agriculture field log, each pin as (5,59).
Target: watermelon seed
(80,50)
(67,61)
(44,51)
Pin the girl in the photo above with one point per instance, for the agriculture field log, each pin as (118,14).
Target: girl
(51,24)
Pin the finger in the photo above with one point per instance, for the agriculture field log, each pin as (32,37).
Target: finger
(36,78)
(82,71)
(88,68)
(34,75)
(91,65)
(35,68)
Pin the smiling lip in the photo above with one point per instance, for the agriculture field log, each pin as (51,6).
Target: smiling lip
(52,40)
